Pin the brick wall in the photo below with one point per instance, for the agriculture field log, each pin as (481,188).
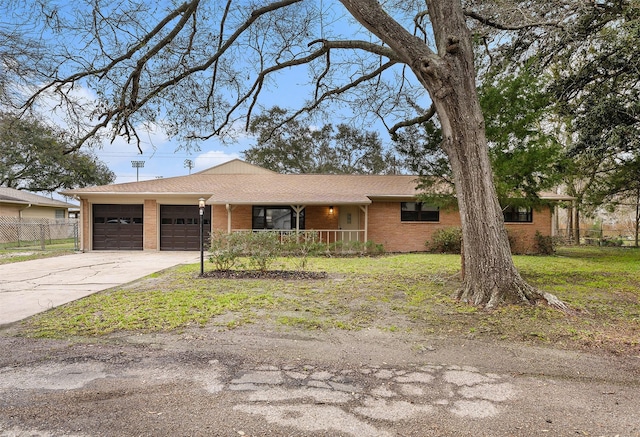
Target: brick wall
(10,210)
(319,217)
(150,225)
(386,228)
(522,235)
(87,218)
(241,217)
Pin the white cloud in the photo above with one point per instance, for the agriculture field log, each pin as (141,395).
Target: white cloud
(212,158)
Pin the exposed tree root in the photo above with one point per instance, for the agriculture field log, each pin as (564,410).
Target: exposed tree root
(556,303)
(516,292)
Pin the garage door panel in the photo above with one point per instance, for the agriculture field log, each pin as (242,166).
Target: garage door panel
(117,227)
(180,226)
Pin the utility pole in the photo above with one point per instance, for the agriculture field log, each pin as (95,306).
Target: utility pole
(188,163)
(137,165)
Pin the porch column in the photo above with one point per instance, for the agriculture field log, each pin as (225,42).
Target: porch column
(229,209)
(297,209)
(365,209)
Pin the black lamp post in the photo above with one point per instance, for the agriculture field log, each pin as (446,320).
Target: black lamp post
(201,206)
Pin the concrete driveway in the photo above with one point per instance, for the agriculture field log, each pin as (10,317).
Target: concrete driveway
(30,287)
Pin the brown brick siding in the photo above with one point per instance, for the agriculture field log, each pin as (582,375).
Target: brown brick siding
(522,235)
(150,225)
(240,217)
(87,219)
(319,217)
(386,228)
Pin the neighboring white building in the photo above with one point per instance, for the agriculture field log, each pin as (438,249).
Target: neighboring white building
(23,204)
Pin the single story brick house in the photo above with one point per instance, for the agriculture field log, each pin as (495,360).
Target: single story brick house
(163,214)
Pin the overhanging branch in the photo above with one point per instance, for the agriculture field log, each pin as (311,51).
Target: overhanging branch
(500,26)
(417,120)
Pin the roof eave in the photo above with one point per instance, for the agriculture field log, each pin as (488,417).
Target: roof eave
(289,202)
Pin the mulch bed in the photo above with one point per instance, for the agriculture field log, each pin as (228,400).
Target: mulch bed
(267,274)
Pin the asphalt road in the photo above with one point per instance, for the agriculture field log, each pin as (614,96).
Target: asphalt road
(261,381)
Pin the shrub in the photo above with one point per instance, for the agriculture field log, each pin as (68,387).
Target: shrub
(544,244)
(446,240)
(373,248)
(513,243)
(611,242)
(301,247)
(225,250)
(262,248)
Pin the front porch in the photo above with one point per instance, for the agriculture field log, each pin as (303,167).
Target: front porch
(328,224)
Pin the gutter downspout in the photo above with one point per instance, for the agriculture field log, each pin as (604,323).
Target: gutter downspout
(20,220)
(20,211)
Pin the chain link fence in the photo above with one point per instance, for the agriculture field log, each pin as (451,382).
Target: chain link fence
(42,233)
(600,235)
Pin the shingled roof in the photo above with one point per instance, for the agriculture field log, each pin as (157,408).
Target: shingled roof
(238,183)
(21,197)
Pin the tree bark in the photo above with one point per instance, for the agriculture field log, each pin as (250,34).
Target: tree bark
(491,277)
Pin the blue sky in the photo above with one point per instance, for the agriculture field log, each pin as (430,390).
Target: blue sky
(162,155)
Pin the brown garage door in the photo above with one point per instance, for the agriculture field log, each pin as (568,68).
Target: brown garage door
(117,227)
(179,227)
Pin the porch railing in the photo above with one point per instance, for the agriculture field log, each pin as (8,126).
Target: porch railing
(327,236)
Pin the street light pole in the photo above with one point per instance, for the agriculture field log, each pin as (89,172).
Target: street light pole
(137,165)
(201,206)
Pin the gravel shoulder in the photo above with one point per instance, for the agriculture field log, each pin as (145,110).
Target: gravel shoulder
(261,380)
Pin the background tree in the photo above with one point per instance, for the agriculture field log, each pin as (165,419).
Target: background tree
(621,188)
(590,51)
(35,157)
(525,158)
(298,147)
(198,67)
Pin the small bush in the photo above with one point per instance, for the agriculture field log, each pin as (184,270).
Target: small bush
(373,248)
(301,247)
(446,240)
(225,250)
(262,248)
(611,242)
(544,244)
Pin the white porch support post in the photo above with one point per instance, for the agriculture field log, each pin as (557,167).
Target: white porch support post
(297,209)
(365,209)
(229,209)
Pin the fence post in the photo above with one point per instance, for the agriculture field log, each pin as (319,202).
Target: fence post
(42,236)
(76,245)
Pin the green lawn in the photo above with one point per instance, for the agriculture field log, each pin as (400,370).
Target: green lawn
(398,293)
(11,252)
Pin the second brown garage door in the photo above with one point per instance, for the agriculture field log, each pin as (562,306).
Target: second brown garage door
(180,227)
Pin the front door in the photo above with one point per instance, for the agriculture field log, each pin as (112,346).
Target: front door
(349,222)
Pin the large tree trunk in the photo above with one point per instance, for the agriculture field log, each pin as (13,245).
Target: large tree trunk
(449,75)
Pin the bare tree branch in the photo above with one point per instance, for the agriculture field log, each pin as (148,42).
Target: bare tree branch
(420,119)
(491,23)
